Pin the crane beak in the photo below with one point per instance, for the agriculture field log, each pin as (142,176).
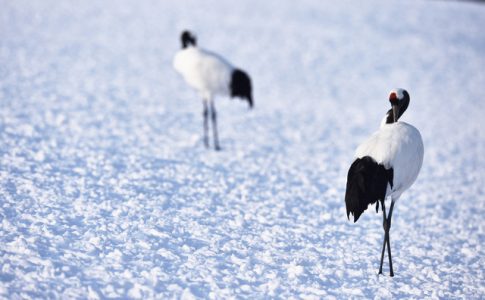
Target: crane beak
(395,112)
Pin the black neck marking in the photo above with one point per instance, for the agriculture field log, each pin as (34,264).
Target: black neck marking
(402,105)
(390,117)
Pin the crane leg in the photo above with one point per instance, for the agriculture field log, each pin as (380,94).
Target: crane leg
(388,239)
(384,224)
(205,114)
(214,127)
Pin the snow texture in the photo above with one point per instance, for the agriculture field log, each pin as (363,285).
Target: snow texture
(107,191)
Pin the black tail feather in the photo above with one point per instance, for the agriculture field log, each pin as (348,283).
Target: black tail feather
(366,184)
(241,86)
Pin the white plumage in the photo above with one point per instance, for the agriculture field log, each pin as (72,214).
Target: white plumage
(398,146)
(205,71)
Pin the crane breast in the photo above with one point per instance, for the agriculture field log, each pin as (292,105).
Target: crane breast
(203,70)
(398,146)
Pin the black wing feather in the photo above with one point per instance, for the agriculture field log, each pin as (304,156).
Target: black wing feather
(366,183)
(241,86)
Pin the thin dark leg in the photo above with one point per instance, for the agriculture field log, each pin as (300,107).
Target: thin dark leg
(390,213)
(205,113)
(389,239)
(391,271)
(384,224)
(214,127)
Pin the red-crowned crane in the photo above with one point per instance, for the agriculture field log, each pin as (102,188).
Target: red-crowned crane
(386,165)
(210,75)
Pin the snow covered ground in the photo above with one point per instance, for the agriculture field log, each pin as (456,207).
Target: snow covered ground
(106,190)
